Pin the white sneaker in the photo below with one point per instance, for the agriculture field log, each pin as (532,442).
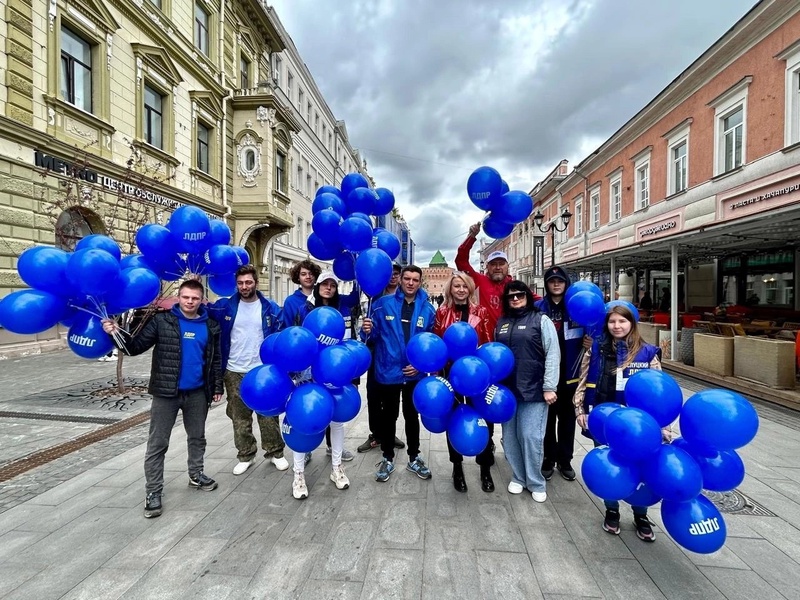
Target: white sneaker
(539,496)
(241,467)
(299,489)
(515,488)
(339,478)
(280,463)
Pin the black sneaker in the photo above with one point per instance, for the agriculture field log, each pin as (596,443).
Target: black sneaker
(152,505)
(202,482)
(370,444)
(567,472)
(611,522)
(547,471)
(644,528)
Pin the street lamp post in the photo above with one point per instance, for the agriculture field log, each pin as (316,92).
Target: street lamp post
(538,218)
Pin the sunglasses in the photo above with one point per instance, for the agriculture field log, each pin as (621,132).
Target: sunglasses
(515,295)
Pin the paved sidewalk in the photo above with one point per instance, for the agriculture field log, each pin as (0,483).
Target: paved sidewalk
(85,537)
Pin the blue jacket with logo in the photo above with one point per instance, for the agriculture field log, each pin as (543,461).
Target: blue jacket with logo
(224,311)
(389,356)
(294,309)
(570,338)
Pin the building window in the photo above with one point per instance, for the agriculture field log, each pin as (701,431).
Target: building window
(308,113)
(730,132)
(276,73)
(76,70)
(157,4)
(280,171)
(153,117)
(203,137)
(308,184)
(244,72)
(300,179)
(316,124)
(679,167)
(792,126)
(299,239)
(578,219)
(615,198)
(301,96)
(594,203)
(201,29)
(641,179)
(289,86)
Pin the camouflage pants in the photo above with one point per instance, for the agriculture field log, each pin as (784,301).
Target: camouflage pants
(242,418)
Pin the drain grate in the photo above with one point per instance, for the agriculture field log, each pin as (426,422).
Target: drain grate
(8,414)
(736,503)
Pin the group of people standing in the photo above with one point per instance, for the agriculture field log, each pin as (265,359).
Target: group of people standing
(559,372)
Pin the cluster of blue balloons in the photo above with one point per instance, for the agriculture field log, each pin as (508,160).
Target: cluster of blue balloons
(191,242)
(476,373)
(586,305)
(317,348)
(343,232)
(488,191)
(635,466)
(78,289)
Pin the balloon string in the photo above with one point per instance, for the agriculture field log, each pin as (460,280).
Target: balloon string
(86,310)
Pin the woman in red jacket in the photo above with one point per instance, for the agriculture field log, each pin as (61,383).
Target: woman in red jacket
(459,305)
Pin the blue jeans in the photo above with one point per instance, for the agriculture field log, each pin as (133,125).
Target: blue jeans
(523,444)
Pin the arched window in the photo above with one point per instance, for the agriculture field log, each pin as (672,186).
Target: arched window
(74,224)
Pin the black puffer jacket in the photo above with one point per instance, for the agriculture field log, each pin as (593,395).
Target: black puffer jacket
(164,332)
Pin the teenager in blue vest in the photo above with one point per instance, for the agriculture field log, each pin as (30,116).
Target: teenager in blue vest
(392,322)
(605,370)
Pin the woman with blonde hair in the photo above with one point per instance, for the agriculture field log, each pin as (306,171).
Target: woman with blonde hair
(459,305)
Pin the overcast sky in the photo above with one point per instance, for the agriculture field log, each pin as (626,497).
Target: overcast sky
(432,89)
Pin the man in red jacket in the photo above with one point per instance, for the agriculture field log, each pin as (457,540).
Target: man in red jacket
(490,286)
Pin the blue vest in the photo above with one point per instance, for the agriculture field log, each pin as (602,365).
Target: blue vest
(523,335)
(603,371)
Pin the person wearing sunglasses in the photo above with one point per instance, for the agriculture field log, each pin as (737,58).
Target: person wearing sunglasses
(532,338)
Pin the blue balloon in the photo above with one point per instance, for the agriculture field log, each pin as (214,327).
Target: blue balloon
(45,268)
(138,287)
(31,311)
(597,420)
(155,241)
(101,242)
(86,337)
(352,181)
(388,242)
(470,376)
(461,340)
(327,189)
(219,260)
(295,349)
(93,271)
(242,255)
(673,474)
(484,188)
(361,355)
(586,308)
(505,188)
(190,229)
(435,425)
(363,216)
(722,470)
(265,390)
(361,200)
(626,304)
(326,225)
(499,358)
(344,266)
(137,261)
(656,393)
(373,271)
(169,268)
(223,285)
(434,397)
(426,352)
(297,441)
(327,324)
(267,350)
(583,286)
(310,408)
(719,419)
(513,207)
(385,202)
(355,234)
(497,404)
(495,228)
(697,525)
(334,366)
(220,232)
(608,476)
(632,433)
(467,430)
(322,251)
(643,496)
(346,403)
(328,200)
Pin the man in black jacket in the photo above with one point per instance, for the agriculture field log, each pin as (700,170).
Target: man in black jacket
(186,374)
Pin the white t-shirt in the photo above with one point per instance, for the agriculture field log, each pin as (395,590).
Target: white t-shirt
(246,337)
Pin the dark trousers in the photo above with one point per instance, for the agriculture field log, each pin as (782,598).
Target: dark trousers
(559,437)
(486,456)
(163,413)
(390,395)
(374,405)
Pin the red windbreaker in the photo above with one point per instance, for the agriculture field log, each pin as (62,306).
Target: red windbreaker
(478,319)
(490,294)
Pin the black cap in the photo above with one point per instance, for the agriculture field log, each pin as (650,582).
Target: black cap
(555,272)
(396,267)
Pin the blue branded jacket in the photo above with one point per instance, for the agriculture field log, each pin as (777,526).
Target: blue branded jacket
(389,356)
(570,338)
(224,311)
(294,309)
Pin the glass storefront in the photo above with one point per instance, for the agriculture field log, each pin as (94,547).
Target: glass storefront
(764,279)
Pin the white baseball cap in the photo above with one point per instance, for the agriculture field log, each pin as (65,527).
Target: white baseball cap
(325,275)
(497,255)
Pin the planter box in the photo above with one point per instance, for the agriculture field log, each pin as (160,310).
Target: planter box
(649,332)
(714,353)
(764,360)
